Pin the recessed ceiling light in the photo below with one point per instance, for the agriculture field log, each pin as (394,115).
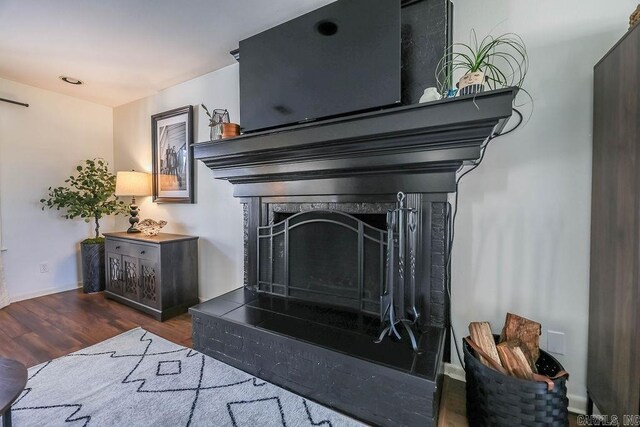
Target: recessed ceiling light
(71,80)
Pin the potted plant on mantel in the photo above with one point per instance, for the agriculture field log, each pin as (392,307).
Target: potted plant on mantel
(90,196)
(499,62)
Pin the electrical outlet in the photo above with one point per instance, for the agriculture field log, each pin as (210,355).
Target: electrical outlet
(555,342)
(44,267)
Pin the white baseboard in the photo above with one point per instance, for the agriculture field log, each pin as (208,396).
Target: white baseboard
(577,404)
(43,292)
(454,371)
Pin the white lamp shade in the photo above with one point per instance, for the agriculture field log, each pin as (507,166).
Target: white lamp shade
(130,183)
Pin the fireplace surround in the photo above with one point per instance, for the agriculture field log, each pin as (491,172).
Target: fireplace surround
(314,201)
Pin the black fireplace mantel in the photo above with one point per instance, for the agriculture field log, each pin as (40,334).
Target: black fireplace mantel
(415,148)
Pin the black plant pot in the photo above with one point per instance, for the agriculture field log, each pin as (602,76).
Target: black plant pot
(93,268)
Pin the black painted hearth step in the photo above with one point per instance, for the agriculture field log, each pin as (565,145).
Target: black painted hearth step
(326,354)
(347,332)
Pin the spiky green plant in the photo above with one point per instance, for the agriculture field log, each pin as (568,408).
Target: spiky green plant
(502,59)
(89,195)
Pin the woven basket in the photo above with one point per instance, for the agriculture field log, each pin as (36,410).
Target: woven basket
(495,399)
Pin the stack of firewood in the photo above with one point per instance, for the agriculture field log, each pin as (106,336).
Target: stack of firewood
(517,351)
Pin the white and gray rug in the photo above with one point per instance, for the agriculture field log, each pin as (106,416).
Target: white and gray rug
(140,379)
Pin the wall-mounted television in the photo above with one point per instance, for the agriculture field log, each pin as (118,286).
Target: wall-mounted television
(341,58)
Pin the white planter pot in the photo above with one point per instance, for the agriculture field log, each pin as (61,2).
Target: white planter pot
(471,83)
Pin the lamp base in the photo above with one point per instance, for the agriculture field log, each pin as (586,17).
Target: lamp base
(133,220)
(133,229)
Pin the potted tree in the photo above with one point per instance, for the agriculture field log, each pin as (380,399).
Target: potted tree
(89,195)
(500,61)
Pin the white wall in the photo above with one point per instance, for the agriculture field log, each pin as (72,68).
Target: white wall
(522,233)
(40,147)
(216,217)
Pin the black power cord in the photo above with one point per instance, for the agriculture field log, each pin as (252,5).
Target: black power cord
(453,212)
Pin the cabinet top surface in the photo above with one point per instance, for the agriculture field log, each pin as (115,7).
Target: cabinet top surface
(160,238)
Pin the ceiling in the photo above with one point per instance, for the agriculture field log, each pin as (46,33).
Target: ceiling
(124,50)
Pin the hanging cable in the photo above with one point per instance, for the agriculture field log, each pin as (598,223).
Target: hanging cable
(453,212)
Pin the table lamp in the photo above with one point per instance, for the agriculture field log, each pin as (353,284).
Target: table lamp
(131,183)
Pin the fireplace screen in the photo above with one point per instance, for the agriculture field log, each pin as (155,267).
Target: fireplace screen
(323,256)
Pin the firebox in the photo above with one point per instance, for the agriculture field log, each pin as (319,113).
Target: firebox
(323,256)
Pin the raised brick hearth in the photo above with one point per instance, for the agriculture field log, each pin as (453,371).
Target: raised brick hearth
(324,354)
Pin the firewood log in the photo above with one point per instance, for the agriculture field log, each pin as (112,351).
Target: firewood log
(528,332)
(514,360)
(483,337)
(479,352)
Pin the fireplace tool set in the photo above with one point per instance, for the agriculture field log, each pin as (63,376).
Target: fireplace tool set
(398,301)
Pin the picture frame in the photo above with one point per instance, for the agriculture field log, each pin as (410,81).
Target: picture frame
(172,156)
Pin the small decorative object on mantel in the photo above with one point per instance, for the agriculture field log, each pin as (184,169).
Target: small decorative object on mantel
(216,120)
(451,92)
(230,130)
(498,62)
(472,83)
(635,17)
(220,125)
(430,94)
(150,227)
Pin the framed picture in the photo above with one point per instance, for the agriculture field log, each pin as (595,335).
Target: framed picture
(172,156)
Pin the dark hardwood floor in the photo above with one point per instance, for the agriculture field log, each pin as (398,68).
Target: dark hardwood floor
(40,329)
(36,330)
(453,406)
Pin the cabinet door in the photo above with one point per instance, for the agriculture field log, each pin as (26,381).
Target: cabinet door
(114,273)
(130,278)
(149,283)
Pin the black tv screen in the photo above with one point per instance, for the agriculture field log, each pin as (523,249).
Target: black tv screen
(341,58)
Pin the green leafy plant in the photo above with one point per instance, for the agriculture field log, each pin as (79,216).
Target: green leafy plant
(502,59)
(89,195)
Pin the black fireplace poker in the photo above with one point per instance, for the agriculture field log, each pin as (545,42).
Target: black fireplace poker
(400,220)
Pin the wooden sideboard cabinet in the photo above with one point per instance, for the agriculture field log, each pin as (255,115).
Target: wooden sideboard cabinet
(157,275)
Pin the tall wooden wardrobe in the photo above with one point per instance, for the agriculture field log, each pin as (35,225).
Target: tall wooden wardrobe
(613,372)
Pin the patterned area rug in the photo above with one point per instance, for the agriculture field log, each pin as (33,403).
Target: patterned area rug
(140,379)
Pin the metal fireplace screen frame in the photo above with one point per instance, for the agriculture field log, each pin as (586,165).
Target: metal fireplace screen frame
(274,273)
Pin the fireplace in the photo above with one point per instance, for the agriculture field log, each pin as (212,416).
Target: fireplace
(315,201)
